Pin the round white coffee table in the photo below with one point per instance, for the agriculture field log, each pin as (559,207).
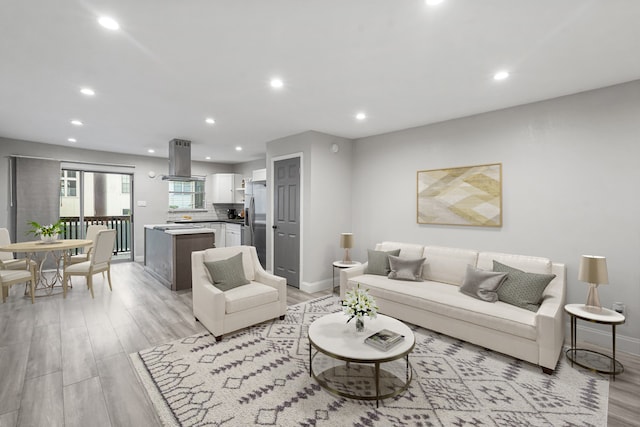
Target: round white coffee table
(339,342)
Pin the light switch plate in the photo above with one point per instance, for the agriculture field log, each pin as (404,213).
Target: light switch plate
(142,203)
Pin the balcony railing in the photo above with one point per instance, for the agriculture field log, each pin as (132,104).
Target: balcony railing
(74,229)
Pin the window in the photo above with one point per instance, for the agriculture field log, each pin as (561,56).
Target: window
(186,194)
(68,183)
(126,184)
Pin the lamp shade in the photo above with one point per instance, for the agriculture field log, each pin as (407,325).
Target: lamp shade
(593,269)
(346,240)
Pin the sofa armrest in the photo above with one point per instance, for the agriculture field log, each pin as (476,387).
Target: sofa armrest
(208,301)
(348,273)
(550,320)
(277,282)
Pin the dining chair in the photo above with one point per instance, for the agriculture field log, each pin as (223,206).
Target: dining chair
(9,278)
(92,232)
(99,261)
(7,260)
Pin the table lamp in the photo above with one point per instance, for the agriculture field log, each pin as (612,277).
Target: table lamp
(593,270)
(346,242)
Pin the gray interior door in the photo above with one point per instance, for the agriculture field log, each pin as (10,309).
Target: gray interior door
(286,225)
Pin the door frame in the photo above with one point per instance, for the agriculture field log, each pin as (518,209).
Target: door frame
(271,209)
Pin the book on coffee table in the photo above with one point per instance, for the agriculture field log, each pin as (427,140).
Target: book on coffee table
(384,339)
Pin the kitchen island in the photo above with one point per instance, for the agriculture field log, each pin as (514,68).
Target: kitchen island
(167,252)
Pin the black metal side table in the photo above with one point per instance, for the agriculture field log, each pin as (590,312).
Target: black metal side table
(589,359)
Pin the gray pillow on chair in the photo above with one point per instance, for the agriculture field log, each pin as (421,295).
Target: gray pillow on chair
(227,273)
(482,284)
(406,269)
(378,262)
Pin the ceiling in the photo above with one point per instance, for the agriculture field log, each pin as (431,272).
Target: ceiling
(404,63)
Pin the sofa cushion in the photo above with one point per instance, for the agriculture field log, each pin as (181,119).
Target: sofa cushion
(407,250)
(228,273)
(249,296)
(378,262)
(482,284)
(446,300)
(448,265)
(530,264)
(406,268)
(522,289)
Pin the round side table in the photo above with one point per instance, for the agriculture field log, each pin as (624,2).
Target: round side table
(340,265)
(589,359)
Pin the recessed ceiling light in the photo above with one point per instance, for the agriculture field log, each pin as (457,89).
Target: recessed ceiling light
(238,148)
(209,120)
(433,2)
(151,150)
(72,140)
(76,122)
(208,158)
(108,23)
(361,116)
(501,75)
(276,83)
(87,91)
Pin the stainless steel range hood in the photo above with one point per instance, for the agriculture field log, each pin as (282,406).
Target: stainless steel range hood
(180,161)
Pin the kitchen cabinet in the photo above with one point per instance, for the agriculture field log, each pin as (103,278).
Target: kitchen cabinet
(167,253)
(233,234)
(225,188)
(219,227)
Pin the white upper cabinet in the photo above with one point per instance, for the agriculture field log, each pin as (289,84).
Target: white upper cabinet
(225,188)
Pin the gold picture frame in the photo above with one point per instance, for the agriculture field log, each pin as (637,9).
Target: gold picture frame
(468,196)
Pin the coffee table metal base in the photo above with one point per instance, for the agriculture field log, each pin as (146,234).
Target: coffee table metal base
(348,375)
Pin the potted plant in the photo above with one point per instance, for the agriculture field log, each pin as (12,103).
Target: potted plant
(48,233)
(358,304)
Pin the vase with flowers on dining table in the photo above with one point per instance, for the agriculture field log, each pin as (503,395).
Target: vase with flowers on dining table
(48,233)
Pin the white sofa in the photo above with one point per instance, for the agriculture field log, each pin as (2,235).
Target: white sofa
(437,304)
(264,298)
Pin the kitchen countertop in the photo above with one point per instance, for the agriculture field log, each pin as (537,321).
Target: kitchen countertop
(178,230)
(196,221)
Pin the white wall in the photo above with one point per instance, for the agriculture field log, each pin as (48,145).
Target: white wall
(571,171)
(153,191)
(326,198)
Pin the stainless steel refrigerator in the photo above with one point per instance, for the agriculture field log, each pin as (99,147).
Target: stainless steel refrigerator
(255,218)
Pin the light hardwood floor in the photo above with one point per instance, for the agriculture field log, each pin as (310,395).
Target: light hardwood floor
(65,362)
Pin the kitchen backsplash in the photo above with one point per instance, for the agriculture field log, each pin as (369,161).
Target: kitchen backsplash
(217,211)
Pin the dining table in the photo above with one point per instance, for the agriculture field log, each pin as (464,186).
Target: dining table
(39,251)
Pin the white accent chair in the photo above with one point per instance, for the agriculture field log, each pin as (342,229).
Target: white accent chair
(264,298)
(9,278)
(92,232)
(7,261)
(98,262)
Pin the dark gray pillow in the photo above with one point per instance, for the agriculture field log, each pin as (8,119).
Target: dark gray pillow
(522,289)
(378,262)
(482,284)
(405,269)
(227,273)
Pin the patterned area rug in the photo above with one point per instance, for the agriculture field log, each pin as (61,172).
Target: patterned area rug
(260,376)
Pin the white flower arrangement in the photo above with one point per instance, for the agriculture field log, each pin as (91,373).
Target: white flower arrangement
(358,303)
(46,230)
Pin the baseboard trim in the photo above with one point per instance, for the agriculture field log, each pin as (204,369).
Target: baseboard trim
(314,287)
(603,339)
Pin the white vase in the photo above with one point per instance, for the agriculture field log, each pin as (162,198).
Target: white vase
(49,239)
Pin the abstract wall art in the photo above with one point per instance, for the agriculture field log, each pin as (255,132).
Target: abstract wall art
(470,195)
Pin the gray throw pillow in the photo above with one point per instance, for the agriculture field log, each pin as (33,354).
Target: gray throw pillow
(378,262)
(522,289)
(227,273)
(482,284)
(405,269)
